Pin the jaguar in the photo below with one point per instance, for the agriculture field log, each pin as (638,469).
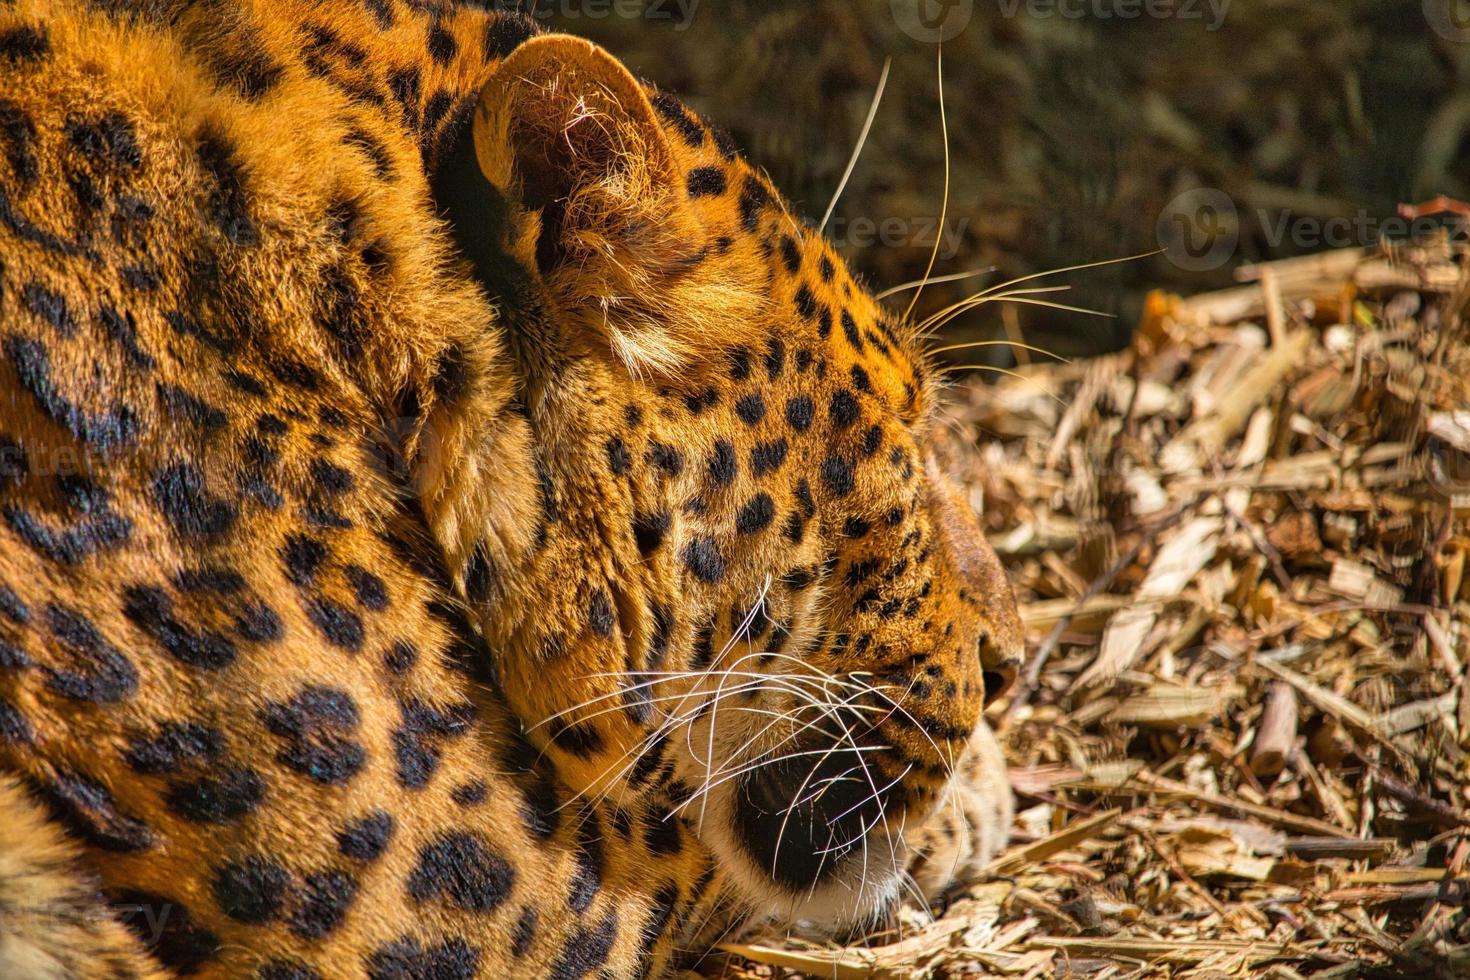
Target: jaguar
(458,518)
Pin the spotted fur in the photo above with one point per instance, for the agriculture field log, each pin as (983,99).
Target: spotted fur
(450,508)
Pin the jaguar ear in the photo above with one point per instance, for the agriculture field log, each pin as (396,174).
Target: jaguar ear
(572,141)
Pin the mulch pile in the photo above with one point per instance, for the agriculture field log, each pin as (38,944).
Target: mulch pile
(1241,548)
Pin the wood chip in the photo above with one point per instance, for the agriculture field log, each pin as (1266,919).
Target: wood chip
(1167,706)
(1179,560)
(1276,734)
(1019,858)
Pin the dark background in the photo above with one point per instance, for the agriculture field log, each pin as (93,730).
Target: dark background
(1070,136)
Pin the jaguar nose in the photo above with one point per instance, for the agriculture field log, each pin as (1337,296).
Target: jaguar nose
(799,820)
(999,668)
(997,683)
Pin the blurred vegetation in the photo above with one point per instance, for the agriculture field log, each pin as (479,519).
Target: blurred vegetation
(1070,136)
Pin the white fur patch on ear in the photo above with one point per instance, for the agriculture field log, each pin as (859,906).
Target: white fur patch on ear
(570,136)
(657,324)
